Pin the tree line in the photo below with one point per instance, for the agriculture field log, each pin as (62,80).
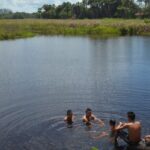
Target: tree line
(8,14)
(91,9)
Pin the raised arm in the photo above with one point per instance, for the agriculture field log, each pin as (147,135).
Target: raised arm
(122,126)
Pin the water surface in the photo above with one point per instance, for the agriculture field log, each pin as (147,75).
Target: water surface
(42,77)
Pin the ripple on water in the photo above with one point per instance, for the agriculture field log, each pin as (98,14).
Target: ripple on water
(52,133)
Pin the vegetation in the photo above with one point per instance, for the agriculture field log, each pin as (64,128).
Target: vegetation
(10,29)
(91,9)
(94,148)
(8,14)
(78,21)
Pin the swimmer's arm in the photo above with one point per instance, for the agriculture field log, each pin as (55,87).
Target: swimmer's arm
(99,121)
(103,134)
(121,126)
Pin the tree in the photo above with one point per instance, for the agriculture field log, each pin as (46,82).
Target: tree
(127,9)
(87,9)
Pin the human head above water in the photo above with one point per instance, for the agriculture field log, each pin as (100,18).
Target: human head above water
(69,112)
(88,112)
(131,116)
(112,122)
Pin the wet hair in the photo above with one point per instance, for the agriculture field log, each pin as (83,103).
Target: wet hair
(88,110)
(131,115)
(69,112)
(112,122)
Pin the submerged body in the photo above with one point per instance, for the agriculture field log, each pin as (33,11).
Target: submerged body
(111,133)
(69,118)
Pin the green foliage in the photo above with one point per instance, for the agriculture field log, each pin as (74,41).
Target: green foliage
(87,9)
(90,9)
(127,9)
(8,14)
(146,11)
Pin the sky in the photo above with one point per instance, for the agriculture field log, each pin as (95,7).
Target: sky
(28,5)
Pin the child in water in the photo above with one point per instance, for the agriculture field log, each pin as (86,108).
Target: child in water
(90,117)
(111,132)
(69,118)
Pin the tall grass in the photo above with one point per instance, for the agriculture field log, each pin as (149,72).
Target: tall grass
(10,29)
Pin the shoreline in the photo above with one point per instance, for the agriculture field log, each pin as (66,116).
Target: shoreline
(15,29)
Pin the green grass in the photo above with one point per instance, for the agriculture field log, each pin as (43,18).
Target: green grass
(94,148)
(12,29)
(147,21)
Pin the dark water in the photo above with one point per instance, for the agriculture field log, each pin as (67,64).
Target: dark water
(42,77)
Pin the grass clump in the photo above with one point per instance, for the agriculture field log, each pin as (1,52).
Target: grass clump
(11,29)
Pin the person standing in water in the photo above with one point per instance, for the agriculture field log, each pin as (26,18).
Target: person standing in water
(133,137)
(89,116)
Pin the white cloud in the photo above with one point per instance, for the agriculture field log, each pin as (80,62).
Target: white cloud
(28,5)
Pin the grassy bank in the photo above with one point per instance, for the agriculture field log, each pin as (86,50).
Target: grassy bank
(11,29)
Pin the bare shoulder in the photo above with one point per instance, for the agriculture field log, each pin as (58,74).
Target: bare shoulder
(135,124)
(84,118)
(129,124)
(138,123)
(65,118)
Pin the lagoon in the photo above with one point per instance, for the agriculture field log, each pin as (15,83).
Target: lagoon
(42,77)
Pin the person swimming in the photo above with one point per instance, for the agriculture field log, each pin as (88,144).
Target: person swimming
(89,116)
(69,118)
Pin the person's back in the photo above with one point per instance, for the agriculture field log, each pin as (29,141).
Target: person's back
(134,131)
(133,137)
